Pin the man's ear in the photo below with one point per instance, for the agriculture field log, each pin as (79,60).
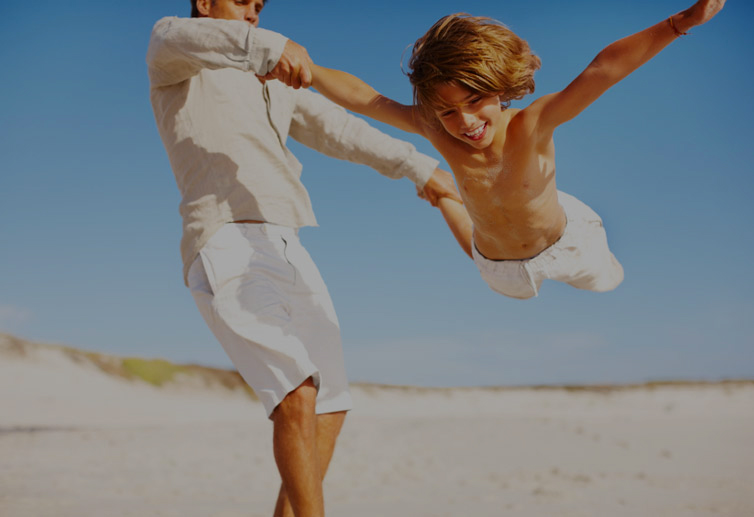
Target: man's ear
(203,7)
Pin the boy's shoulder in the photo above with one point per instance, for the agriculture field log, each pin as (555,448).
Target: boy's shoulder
(513,119)
(522,136)
(523,121)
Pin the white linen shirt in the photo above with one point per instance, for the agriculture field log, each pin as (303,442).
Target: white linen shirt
(225,132)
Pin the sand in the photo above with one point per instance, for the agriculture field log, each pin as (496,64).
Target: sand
(78,441)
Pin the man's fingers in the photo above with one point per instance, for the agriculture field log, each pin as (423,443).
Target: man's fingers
(441,185)
(427,195)
(301,76)
(431,196)
(305,75)
(286,76)
(293,68)
(296,76)
(294,80)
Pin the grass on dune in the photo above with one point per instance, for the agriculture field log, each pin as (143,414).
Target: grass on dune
(154,371)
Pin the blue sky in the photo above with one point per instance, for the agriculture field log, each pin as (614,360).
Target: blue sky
(89,222)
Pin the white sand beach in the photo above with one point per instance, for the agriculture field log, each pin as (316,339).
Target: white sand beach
(79,438)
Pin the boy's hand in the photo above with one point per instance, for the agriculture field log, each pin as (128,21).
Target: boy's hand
(440,185)
(700,13)
(293,68)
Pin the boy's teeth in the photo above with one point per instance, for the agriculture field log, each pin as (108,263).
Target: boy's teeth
(476,132)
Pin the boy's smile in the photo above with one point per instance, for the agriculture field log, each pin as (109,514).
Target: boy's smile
(478,133)
(468,116)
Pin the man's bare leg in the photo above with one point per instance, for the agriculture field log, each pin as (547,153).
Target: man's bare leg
(328,428)
(301,491)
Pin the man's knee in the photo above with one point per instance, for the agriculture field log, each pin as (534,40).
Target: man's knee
(298,404)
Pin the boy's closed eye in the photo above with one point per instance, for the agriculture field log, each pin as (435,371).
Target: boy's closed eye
(471,102)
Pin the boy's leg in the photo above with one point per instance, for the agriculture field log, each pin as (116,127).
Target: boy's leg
(303,445)
(584,259)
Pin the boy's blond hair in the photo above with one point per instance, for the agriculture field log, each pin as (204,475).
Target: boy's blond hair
(477,53)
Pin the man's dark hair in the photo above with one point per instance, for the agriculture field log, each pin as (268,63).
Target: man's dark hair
(195,11)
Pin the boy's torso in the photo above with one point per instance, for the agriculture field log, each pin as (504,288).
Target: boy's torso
(508,189)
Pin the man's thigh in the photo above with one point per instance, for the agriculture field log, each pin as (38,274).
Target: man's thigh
(264,300)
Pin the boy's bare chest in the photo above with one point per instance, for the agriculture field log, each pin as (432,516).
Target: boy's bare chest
(504,188)
(498,176)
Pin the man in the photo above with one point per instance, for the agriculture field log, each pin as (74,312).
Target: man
(224,128)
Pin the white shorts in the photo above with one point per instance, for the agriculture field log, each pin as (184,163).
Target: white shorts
(266,303)
(581,258)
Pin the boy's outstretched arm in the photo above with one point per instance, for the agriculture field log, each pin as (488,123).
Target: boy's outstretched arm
(355,95)
(457,219)
(613,64)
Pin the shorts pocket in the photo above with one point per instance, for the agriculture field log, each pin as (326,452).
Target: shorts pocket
(225,257)
(209,271)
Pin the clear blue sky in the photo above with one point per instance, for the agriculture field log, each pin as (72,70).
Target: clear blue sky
(89,224)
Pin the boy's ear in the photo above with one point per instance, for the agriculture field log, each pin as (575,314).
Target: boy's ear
(203,7)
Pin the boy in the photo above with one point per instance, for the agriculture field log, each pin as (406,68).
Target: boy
(516,225)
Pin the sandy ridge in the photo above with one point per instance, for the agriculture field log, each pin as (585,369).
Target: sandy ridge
(83,435)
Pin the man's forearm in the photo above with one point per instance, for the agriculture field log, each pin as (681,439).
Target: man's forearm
(329,129)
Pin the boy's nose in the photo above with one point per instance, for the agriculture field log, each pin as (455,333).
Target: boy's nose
(468,120)
(252,16)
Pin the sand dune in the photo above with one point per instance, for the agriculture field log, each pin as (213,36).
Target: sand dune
(85,434)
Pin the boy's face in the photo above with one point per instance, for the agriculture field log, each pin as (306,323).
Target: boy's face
(468,116)
(243,10)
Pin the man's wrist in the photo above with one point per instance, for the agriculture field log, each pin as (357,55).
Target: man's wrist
(265,49)
(419,168)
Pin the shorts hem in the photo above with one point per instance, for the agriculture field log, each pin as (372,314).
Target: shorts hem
(273,399)
(342,402)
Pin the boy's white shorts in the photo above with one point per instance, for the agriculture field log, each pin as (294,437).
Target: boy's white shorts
(266,303)
(581,258)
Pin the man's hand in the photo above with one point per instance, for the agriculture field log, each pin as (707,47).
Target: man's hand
(440,185)
(294,67)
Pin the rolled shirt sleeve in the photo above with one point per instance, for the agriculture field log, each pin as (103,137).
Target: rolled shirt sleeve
(180,47)
(331,130)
